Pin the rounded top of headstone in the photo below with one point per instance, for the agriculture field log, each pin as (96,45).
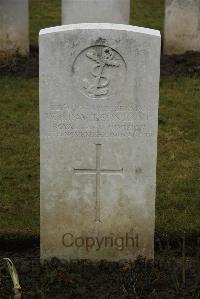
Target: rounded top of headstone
(105,26)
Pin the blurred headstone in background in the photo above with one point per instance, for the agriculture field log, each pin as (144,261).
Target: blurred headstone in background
(182,26)
(14,27)
(95,11)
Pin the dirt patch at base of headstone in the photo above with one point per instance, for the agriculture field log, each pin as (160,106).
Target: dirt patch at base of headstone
(25,67)
(165,278)
(28,67)
(188,63)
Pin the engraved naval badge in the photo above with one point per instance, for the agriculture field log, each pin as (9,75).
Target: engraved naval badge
(99,72)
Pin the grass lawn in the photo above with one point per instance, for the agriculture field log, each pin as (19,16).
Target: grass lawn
(178,188)
(177,204)
(19,205)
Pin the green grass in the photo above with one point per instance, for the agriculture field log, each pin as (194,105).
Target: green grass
(178,185)
(43,13)
(177,204)
(19,189)
(148,13)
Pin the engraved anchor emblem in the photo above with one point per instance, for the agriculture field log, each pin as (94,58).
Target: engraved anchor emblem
(99,86)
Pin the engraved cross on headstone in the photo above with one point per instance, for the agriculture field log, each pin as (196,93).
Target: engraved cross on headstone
(98,171)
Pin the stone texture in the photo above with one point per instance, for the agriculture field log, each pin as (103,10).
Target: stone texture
(182,26)
(99,90)
(95,11)
(14,27)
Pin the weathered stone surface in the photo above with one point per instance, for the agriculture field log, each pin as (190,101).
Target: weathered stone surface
(99,90)
(182,26)
(95,11)
(14,27)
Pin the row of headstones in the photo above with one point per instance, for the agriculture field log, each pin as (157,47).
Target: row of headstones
(99,94)
(182,21)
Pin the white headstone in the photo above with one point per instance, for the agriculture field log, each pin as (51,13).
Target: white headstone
(99,90)
(14,27)
(95,11)
(182,26)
